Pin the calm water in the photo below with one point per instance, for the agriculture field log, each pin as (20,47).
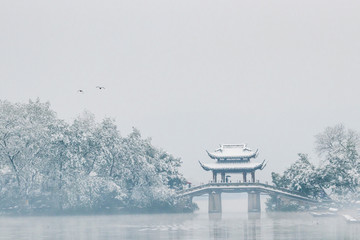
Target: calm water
(233,223)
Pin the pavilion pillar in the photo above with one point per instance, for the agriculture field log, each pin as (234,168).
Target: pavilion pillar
(222,177)
(244,177)
(253,176)
(214,202)
(254,202)
(214,176)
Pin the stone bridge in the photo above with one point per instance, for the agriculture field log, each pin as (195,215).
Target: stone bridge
(254,190)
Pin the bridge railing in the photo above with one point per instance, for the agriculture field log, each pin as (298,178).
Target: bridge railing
(229,184)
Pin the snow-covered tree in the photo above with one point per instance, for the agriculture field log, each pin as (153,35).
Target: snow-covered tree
(339,170)
(48,163)
(24,140)
(301,177)
(151,175)
(338,174)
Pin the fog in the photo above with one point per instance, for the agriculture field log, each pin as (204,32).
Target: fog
(191,74)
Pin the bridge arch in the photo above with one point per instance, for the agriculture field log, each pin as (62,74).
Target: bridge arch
(214,191)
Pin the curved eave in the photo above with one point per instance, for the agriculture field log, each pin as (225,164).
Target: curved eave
(210,155)
(204,167)
(263,164)
(256,153)
(233,167)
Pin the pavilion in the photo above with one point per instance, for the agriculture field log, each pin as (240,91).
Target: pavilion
(233,158)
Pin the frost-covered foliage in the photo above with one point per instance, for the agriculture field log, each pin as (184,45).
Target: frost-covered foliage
(339,171)
(301,177)
(46,163)
(337,176)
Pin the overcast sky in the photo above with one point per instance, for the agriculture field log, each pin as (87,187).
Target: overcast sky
(191,74)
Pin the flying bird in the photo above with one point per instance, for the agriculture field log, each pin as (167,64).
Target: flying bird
(80,91)
(99,87)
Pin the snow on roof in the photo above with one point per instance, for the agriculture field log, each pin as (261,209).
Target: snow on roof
(232,151)
(233,166)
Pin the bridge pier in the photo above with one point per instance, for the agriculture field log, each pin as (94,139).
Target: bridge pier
(214,202)
(254,202)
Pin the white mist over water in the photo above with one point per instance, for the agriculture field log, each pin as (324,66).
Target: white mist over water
(234,223)
(274,226)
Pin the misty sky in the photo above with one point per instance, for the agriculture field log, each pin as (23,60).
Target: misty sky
(191,74)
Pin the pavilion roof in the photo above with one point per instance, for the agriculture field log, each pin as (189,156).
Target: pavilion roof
(233,166)
(233,151)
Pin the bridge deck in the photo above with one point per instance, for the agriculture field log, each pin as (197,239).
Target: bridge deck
(243,187)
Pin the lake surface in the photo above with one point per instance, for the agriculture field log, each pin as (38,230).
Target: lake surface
(233,223)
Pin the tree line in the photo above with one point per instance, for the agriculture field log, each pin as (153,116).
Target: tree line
(47,164)
(335,177)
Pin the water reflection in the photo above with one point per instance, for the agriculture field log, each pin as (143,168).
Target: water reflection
(242,225)
(217,230)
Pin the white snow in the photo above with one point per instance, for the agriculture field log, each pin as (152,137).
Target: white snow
(233,151)
(231,165)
